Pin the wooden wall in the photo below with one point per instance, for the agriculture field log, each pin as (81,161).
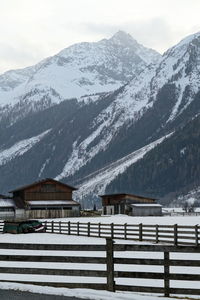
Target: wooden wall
(47,190)
(48,214)
(117,199)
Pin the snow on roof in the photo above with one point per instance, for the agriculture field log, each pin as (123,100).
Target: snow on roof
(146,205)
(7,203)
(52,202)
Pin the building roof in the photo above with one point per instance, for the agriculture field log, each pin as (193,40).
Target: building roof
(42,181)
(53,202)
(124,194)
(146,205)
(7,203)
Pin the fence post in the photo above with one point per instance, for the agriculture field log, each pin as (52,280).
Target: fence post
(157,233)
(166,274)
(140,232)
(196,235)
(60,231)
(112,231)
(99,229)
(52,226)
(69,229)
(78,228)
(125,231)
(88,228)
(110,265)
(175,234)
(45,225)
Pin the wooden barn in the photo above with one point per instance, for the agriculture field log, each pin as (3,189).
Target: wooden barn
(47,198)
(130,204)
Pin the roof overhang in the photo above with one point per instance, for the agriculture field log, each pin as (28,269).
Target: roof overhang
(124,194)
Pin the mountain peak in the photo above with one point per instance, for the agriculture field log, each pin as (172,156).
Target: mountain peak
(121,37)
(120,34)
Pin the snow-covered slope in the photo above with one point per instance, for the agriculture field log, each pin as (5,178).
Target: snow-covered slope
(192,198)
(96,183)
(19,148)
(180,65)
(128,106)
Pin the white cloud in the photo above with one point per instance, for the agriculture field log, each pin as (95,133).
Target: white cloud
(34,29)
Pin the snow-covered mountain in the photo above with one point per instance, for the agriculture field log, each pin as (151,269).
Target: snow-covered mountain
(78,70)
(75,140)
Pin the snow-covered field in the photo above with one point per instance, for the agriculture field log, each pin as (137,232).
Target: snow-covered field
(122,219)
(82,293)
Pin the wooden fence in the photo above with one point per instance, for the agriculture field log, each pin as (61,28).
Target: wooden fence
(1,226)
(180,213)
(110,276)
(172,234)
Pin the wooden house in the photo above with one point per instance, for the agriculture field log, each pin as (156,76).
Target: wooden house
(130,204)
(47,198)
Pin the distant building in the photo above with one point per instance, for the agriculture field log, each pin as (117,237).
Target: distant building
(130,204)
(7,207)
(47,198)
(147,209)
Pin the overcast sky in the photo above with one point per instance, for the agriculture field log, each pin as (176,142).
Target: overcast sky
(31,30)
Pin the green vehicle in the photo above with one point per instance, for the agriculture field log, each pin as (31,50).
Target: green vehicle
(28,226)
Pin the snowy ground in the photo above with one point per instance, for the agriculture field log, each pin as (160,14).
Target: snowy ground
(83,293)
(122,219)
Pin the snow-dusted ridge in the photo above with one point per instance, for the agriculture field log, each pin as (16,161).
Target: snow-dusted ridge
(190,197)
(97,182)
(20,148)
(180,65)
(81,69)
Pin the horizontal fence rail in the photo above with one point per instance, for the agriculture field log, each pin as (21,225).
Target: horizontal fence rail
(180,213)
(166,275)
(171,234)
(54,260)
(111,276)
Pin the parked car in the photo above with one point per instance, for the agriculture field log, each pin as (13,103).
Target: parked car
(28,226)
